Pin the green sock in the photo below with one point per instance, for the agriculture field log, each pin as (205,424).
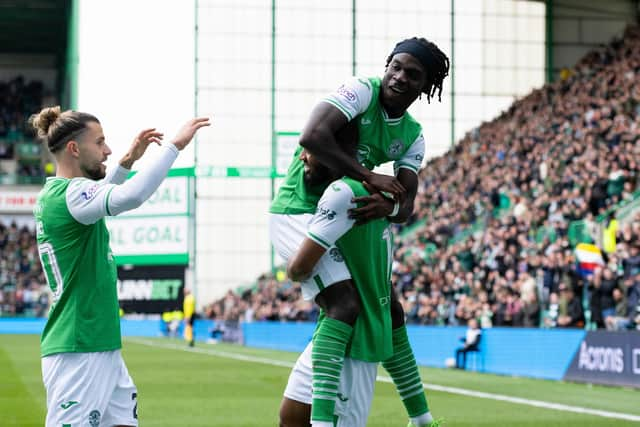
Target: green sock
(404,372)
(327,358)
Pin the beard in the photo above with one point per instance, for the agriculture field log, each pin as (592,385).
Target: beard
(95,173)
(319,175)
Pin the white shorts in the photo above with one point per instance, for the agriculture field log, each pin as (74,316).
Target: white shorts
(287,233)
(89,390)
(355,391)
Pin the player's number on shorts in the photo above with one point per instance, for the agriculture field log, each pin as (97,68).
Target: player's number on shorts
(51,269)
(134,396)
(386,236)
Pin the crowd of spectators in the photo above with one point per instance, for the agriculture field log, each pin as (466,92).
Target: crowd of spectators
(490,236)
(272,298)
(23,288)
(20,99)
(565,152)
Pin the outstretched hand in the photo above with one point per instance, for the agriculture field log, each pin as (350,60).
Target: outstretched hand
(142,141)
(139,146)
(188,130)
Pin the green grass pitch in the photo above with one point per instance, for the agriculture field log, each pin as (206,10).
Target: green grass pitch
(211,387)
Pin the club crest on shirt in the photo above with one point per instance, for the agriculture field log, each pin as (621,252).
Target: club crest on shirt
(94,418)
(394,150)
(335,255)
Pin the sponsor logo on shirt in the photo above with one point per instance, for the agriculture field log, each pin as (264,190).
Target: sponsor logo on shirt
(419,157)
(88,195)
(346,93)
(334,187)
(342,397)
(330,214)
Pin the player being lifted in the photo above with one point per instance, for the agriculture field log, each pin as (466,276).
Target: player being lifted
(386,132)
(368,256)
(86,380)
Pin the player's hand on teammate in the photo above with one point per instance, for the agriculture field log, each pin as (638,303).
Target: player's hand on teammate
(188,130)
(389,184)
(375,206)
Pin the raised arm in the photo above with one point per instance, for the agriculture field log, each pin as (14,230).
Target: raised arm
(119,174)
(88,201)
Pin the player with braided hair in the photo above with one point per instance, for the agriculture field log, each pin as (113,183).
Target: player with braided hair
(374,111)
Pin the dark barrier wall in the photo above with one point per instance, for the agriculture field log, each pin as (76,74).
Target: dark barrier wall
(611,358)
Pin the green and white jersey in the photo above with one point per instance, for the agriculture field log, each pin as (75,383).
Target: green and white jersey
(381,139)
(73,242)
(367,251)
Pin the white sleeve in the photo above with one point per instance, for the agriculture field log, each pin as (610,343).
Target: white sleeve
(412,159)
(88,200)
(331,220)
(116,175)
(352,98)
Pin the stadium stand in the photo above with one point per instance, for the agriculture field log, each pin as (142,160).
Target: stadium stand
(498,216)
(23,288)
(20,152)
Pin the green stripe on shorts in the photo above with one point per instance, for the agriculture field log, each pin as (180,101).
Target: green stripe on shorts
(318,281)
(318,240)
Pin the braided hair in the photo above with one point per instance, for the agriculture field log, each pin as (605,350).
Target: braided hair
(435,62)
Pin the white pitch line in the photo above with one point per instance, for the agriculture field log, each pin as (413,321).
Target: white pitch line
(445,389)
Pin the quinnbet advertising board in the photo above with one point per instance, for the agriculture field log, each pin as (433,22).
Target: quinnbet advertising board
(151,289)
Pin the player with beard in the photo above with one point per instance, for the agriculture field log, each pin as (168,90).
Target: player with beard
(377,109)
(86,380)
(368,256)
